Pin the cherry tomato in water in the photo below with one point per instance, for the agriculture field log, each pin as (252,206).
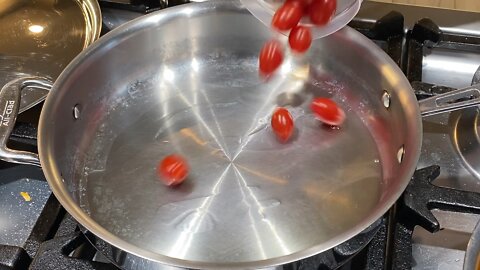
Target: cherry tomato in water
(271,57)
(173,170)
(300,39)
(282,124)
(322,11)
(287,16)
(327,111)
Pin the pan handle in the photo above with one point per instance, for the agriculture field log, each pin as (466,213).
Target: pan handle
(11,105)
(451,101)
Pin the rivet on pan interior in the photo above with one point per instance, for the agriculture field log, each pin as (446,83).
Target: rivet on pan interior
(386,99)
(401,154)
(76,111)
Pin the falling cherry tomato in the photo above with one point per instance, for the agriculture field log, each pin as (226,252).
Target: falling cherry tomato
(327,111)
(282,124)
(287,16)
(173,170)
(304,3)
(321,11)
(271,57)
(300,39)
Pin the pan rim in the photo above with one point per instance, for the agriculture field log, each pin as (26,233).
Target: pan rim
(54,178)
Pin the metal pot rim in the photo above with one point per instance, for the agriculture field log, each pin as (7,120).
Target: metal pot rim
(93,20)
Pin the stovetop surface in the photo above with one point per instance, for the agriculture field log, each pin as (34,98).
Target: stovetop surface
(437,55)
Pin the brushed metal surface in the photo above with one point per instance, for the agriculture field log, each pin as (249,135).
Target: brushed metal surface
(436,258)
(450,21)
(447,67)
(446,248)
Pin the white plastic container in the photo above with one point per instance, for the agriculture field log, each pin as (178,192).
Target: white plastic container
(346,10)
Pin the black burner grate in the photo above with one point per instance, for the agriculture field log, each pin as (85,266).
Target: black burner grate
(14,257)
(69,249)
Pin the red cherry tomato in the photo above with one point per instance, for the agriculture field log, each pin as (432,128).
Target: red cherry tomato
(322,11)
(301,2)
(327,111)
(304,3)
(282,124)
(287,16)
(173,170)
(300,39)
(271,57)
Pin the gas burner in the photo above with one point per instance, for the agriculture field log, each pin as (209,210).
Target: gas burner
(141,6)
(75,248)
(69,249)
(466,139)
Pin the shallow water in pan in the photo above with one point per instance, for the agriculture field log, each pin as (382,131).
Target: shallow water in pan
(248,197)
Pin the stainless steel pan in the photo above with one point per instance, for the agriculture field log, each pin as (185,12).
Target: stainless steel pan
(146,90)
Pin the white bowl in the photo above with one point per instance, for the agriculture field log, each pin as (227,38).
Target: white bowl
(346,11)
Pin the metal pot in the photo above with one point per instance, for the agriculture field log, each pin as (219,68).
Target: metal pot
(41,37)
(146,90)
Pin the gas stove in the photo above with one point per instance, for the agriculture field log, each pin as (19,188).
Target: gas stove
(428,228)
